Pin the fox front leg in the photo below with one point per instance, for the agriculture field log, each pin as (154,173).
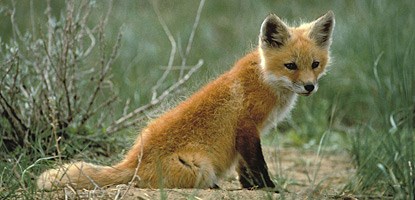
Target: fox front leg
(252,169)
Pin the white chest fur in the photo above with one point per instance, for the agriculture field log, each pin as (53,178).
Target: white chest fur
(281,110)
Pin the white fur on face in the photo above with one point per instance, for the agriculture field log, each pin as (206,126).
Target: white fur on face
(283,82)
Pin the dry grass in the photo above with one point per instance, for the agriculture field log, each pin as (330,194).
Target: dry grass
(292,169)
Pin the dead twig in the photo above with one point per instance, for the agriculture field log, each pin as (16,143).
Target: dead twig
(104,72)
(65,56)
(11,114)
(131,119)
(124,122)
(191,37)
(16,31)
(135,176)
(172,53)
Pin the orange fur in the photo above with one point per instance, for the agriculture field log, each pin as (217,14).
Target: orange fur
(197,142)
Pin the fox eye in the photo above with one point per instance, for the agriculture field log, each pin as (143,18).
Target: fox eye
(291,66)
(315,64)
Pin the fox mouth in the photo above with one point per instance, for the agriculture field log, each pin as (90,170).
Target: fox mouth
(306,94)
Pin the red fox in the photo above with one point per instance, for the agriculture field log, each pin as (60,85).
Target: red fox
(196,143)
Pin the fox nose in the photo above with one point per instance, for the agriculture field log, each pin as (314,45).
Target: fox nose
(309,87)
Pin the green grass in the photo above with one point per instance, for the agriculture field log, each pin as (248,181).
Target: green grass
(382,106)
(365,103)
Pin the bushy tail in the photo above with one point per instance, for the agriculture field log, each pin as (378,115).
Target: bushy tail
(83,175)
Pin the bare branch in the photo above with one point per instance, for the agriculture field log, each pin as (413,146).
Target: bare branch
(48,49)
(100,107)
(85,10)
(105,19)
(131,119)
(45,72)
(192,35)
(135,177)
(104,72)
(123,122)
(48,13)
(67,45)
(91,46)
(11,115)
(16,31)
(32,19)
(8,71)
(172,53)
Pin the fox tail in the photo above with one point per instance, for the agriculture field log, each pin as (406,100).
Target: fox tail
(84,175)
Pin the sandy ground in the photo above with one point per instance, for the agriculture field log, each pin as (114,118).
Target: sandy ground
(301,174)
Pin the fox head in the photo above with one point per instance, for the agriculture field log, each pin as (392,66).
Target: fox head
(295,57)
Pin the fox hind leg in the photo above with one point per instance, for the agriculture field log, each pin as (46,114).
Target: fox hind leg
(189,171)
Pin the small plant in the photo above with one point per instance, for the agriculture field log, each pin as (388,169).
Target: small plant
(54,83)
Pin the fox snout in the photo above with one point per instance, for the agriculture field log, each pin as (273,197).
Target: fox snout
(305,89)
(309,87)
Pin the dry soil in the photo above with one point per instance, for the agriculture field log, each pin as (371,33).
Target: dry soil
(301,175)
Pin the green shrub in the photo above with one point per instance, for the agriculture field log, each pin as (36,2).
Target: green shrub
(55,82)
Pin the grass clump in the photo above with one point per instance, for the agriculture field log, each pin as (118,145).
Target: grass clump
(55,79)
(384,144)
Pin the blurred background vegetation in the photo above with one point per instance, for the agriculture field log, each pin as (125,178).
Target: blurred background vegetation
(365,105)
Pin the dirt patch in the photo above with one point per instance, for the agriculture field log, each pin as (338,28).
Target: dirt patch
(301,174)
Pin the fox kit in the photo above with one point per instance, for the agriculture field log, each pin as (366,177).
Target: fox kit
(197,142)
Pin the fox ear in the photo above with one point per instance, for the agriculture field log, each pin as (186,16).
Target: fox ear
(274,33)
(321,30)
